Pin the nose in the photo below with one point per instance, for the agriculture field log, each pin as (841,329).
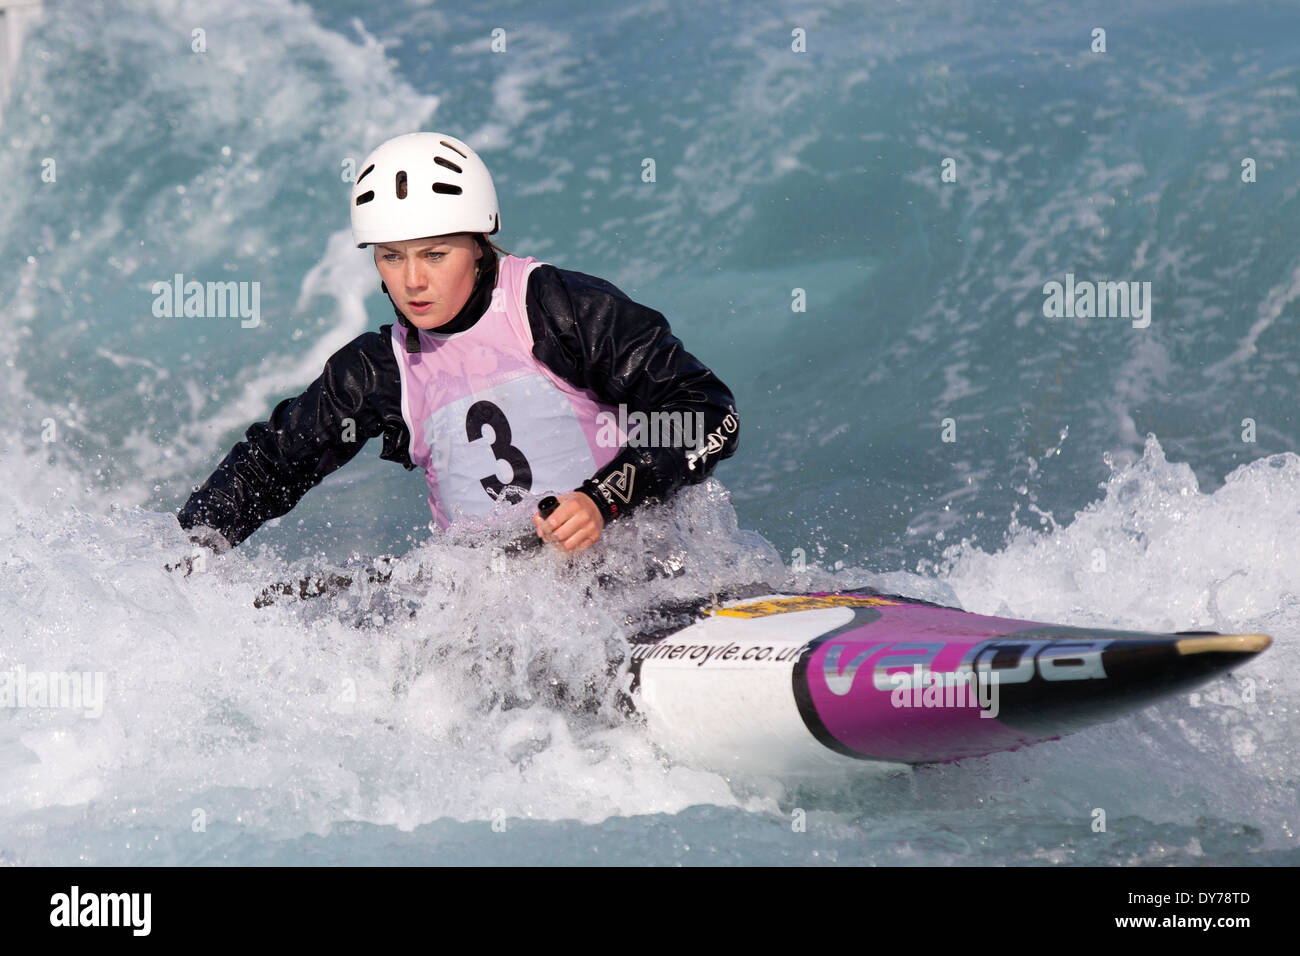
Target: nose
(413,275)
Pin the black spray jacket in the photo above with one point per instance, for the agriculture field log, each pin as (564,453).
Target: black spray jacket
(584,329)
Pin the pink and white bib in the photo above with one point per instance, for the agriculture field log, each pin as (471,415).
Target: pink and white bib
(484,414)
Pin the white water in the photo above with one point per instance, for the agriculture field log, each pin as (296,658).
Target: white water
(314,732)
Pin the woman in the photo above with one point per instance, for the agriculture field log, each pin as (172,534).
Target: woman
(499,378)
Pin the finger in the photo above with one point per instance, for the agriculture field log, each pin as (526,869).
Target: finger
(545,526)
(565,520)
(585,537)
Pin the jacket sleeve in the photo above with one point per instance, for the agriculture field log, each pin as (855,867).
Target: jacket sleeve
(592,335)
(357,397)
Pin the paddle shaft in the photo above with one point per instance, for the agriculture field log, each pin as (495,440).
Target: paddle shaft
(333,583)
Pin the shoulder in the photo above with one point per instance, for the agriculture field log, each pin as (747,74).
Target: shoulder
(565,302)
(364,366)
(373,340)
(584,327)
(569,290)
(372,346)
(363,378)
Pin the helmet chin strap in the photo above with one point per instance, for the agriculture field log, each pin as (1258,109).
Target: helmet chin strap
(412,333)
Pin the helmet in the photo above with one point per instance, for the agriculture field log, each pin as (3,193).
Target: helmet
(422,184)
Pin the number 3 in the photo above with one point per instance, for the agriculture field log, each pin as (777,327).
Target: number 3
(486,413)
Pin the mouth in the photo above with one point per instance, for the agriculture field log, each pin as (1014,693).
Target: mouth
(417,306)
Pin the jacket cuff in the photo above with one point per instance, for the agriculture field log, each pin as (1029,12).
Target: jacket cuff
(609,508)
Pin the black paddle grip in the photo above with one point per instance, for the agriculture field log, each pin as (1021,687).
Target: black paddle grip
(530,540)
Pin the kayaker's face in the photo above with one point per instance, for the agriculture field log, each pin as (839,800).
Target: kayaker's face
(430,280)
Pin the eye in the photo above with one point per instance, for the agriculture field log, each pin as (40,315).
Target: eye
(439,255)
(390,256)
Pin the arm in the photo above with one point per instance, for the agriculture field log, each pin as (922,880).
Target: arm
(305,439)
(591,334)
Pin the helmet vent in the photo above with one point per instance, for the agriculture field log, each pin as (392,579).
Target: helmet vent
(447,188)
(453,149)
(365,197)
(448,163)
(401,184)
(369,169)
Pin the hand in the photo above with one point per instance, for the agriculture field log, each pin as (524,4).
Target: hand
(205,540)
(575,525)
(190,563)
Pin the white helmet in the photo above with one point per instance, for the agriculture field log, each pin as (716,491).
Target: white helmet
(422,184)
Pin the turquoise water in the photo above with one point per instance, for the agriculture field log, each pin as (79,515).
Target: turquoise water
(355,732)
